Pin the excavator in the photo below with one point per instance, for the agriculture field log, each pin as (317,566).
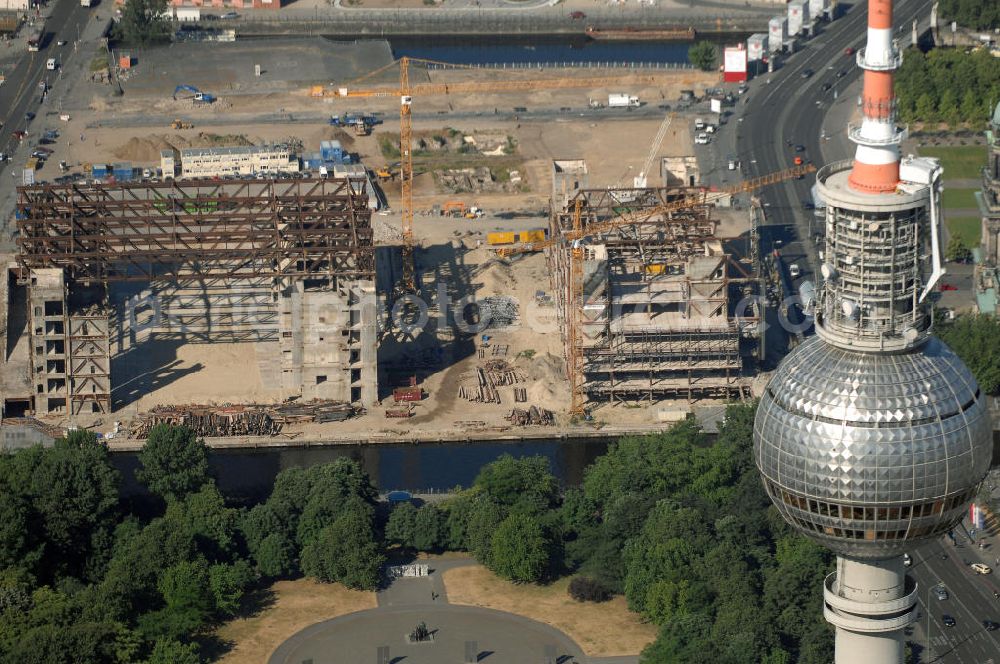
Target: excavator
(198,95)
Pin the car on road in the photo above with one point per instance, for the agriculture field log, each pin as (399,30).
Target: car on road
(797,161)
(229,15)
(907,560)
(948,620)
(800,148)
(3,157)
(808,205)
(848,51)
(577,15)
(19,135)
(61,42)
(948,287)
(990,625)
(980,568)
(794,270)
(826,87)
(941,593)
(29,116)
(842,73)
(806,73)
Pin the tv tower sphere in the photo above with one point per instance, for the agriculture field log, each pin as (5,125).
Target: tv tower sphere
(870,453)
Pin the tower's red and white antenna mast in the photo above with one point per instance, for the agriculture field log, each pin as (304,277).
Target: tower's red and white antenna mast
(876,161)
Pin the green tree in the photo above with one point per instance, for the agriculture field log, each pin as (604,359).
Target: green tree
(926,108)
(484,518)
(948,108)
(174,461)
(521,485)
(519,549)
(428,528)
(976,339)
(956,250)
(276,557)
(401,526)
(703,55)
(229,583)
(168,651)
(142,22)
(345,552)
(973,110)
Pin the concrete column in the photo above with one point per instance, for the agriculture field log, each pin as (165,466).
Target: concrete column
(870,602)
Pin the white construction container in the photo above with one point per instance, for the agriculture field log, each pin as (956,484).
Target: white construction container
(622,100)
(756,46)
(817,8)
(798,16)
(777,33)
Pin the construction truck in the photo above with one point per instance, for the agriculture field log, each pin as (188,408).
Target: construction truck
(512,237)
(197,95)
(474,213)
(180,124)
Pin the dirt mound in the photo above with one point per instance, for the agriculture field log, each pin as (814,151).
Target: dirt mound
(149,147)
(338,134)
(142,149)
(496,277)
(546,382)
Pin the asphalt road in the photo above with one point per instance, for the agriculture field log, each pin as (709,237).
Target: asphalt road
(21,94)
(970,601)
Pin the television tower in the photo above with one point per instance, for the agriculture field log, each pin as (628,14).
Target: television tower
(872,437)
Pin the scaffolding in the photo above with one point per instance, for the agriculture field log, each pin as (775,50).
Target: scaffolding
(651,314)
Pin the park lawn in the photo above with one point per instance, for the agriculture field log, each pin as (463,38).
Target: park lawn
(297,604)
(960,161)
(966,228)
(953,199)
(607,629)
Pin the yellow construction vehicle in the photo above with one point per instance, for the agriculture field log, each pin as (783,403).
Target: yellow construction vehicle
(180,124)
(384,174)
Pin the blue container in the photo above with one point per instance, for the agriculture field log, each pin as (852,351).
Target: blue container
(331,150)
(100,171)
(123,170)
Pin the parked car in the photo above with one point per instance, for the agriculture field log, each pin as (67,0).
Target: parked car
(794,270)
(990,625)
(980,568)
(907,560)
(701,139)
(941,593)
(19,135)
(577,15)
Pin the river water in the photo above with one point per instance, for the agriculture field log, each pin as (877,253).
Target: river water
(541,49)
(247,475)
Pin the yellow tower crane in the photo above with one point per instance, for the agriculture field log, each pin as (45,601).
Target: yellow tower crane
(574,300)
(406,92)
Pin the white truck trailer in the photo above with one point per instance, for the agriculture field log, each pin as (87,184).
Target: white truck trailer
(622,100)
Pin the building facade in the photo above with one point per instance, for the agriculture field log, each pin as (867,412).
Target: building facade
(248,160)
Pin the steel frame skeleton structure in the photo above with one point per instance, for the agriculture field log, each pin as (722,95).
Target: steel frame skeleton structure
(671,271)
(197,229)
(225,260)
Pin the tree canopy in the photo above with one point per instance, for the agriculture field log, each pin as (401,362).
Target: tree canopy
(174,462)
(142,22)
(703,55)
(976,339)
(947,85)
(975,14)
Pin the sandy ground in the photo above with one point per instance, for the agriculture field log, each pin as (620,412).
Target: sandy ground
(603,630)
(297,604)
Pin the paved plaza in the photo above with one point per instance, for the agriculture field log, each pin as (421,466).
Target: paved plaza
(499,637)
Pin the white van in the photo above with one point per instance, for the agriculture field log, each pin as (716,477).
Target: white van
(51,64)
